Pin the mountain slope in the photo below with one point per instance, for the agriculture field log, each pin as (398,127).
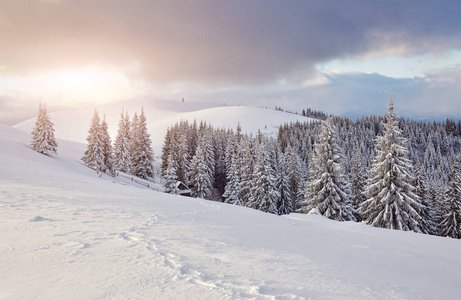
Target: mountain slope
(67,233)
(73,124)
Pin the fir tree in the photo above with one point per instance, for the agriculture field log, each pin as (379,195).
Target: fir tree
(328,189)
(419,183)
(246,167)
(134,137)
(43,140)
(170,176)
(284,203)
(143,156)
(167,149)
(294,175)
(122,149)
(358,182)
(451,221)
(107,149)
(94,155)
(232,190)
(391,200)
(263,193)
(200,174)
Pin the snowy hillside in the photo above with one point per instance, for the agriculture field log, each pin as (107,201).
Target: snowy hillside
(73,124)
(66,233)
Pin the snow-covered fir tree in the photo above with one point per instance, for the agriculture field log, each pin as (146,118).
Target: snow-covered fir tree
(142,154)
(358,182)
(284,203)
(94,154)
(122,146)
(419,183)
(167,148)
(134,132)
(451,222)
(233,187)
(294,175)
(183,158)
(200,175)
(246,165)
(43,140)
(391,201)
(263,192)
(108,152)
(328,191)
(170,176)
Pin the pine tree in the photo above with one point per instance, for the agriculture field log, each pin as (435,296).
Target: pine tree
(358,182)
(263,193)
(143,156)
(284,203)
(122,149)
(170,176)
(232,190)
(200,175)
(419,183)
(246,163)
(94,155)
(294,175)
(43,140)
(328,190)
(167,149)
(108,152)
(451,221)
(134,136)
(183,158)
(391,200)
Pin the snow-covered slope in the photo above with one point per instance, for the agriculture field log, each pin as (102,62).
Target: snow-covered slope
(73,124)
(66,233)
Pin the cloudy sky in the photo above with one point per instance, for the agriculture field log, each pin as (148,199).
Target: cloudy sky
(343,57)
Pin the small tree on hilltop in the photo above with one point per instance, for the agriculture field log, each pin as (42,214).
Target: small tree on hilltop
(43,140)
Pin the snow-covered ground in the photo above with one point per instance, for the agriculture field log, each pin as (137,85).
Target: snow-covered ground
(73,125)
(66,233)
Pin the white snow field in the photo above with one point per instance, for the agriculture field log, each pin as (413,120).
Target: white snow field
(73,125)
(66,233)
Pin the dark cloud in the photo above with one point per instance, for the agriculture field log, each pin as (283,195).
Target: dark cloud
(218,42)
(435,96)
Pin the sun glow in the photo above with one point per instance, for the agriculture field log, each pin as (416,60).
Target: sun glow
(74,87)
(94,84)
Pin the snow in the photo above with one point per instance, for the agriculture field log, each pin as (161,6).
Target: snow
(74,124)
(66,233)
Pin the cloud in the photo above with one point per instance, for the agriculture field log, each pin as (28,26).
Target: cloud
(218,43)
(435,96)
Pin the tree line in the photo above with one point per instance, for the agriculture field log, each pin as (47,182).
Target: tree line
(132,151)
(385,171)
